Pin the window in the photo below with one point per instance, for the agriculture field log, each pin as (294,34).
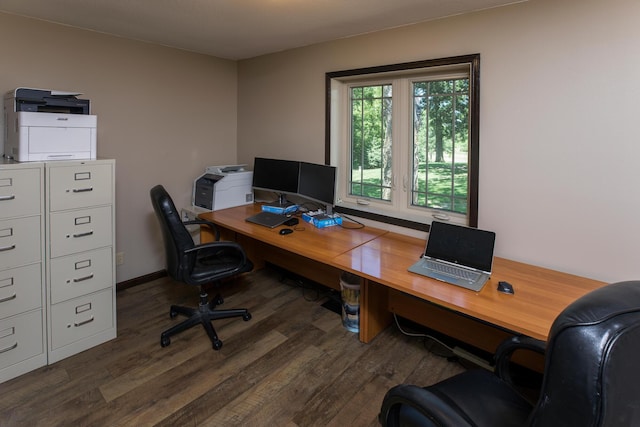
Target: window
(405,140)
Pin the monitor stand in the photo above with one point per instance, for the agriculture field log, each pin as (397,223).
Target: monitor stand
(281,203)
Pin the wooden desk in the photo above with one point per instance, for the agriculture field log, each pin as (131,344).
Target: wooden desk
(381,258)
(540,294)
(308,251)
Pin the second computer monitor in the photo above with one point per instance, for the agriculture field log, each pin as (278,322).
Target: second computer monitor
(318,183)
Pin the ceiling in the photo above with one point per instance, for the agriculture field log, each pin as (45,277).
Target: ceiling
(240,29)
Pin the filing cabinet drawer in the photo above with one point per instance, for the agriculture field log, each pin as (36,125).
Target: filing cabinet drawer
(20,290)
(81,317)
(20,338)
(80,230)
(81,185)
(20,242)
(81,274)
(20,192)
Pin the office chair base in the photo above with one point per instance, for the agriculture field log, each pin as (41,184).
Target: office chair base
(204,315)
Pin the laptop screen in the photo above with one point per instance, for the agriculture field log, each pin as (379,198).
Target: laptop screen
(461,245)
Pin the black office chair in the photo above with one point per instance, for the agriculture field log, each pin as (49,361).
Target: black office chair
(198,265)
(591,376)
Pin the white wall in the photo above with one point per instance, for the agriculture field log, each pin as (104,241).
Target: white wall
(558,133)
(163,114)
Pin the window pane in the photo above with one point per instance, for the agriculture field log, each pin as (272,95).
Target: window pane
(441,144)
(371,142)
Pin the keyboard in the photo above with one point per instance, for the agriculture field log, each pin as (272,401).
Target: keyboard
(267,219)
(451,270)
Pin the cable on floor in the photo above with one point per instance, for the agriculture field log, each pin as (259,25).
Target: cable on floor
(431,343)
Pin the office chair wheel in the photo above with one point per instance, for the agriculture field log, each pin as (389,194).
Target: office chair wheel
(246,317)
(164,341)
(217,345)
(173,314)
(218,300)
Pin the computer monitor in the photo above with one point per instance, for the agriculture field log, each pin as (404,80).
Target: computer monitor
(275,175)
(318,183)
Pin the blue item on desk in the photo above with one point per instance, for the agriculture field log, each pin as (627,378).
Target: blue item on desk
(321,220)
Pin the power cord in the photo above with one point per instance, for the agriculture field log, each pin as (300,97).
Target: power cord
(310,292)
(360,225)
(430,342)
(453,354)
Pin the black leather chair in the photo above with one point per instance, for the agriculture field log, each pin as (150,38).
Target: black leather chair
(591,375)
(198,265)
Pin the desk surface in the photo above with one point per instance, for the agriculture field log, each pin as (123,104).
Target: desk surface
(320,244)
(383,257)
(540,294)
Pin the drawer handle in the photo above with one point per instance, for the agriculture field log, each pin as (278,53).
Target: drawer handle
(11,347)
(7,197)
(88,233)
(81,279)
(82,190)
(8,298)
(83,322)
(7,248)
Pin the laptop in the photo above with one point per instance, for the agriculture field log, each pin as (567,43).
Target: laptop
(458,255)
(268,219)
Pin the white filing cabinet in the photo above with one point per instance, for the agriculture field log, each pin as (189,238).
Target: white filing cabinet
(80,264)
(22,272)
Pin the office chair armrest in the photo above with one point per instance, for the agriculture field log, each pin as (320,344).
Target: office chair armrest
(210,224)
(506,349)
(422,407)
(219,246)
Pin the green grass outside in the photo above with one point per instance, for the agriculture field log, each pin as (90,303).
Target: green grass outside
(439,193)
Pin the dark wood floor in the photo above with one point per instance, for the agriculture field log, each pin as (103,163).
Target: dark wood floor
(293,364)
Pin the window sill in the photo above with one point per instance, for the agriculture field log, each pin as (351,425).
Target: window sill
(373,216)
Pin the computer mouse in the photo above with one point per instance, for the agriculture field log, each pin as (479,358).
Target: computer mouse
(505,287)
(285,231)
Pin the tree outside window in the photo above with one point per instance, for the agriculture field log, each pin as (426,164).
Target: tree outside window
(441,144)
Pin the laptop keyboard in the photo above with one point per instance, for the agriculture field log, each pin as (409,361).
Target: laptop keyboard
(451,270)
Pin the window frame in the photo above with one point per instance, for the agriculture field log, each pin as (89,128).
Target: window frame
(473,61)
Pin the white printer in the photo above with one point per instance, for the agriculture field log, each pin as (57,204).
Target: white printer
(221,187)
(44,124)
